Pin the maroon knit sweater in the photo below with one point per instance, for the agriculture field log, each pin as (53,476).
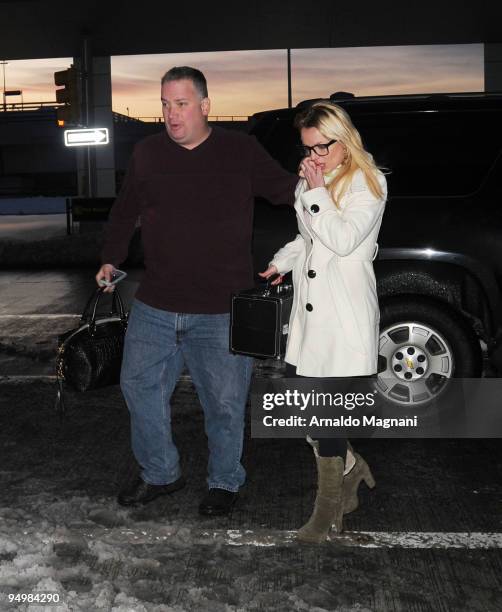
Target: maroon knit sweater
(196,212)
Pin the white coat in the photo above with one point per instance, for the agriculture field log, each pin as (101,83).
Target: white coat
(333,328)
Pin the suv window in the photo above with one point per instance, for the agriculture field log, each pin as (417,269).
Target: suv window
(433,152)
(429,152)
(280,138)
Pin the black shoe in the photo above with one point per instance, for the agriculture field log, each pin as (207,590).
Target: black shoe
(140,492)
(217,502)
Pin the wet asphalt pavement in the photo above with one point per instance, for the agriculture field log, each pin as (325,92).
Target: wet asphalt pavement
(427,538)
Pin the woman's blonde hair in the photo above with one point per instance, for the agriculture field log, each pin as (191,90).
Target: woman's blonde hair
(335,124)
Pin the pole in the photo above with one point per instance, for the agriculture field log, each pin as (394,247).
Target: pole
(68,216)
(4,63)
(290,101)
(86,84)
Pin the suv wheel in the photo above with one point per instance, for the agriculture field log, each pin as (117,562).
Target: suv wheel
(422,347)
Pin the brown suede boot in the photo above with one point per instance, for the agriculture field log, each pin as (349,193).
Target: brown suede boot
(352,480)
(328,507)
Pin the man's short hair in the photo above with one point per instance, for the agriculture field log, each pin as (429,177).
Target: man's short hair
(186,72)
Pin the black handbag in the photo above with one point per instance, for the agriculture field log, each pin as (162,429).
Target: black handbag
(90,355)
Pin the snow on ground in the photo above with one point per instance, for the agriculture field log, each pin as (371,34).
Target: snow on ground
(97,556)
(32,227)
(84,551)
(62,532)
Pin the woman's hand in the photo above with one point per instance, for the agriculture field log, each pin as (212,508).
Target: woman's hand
(271,271)
(312,173)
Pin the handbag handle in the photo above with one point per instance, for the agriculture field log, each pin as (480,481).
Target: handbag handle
(92,305)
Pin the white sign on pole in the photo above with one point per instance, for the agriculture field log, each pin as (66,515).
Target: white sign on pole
(86,137)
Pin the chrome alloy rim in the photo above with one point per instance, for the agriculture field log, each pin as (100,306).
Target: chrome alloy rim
(418,363)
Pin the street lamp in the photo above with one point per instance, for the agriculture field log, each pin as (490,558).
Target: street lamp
(4,63)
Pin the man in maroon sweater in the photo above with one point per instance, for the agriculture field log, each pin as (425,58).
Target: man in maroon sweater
(192,187)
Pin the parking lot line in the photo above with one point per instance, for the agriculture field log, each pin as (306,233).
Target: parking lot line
(35,317)
(271,538)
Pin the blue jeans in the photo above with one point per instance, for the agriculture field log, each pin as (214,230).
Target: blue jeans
(158,344)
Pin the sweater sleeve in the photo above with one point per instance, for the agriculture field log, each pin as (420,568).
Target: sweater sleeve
(285,258)
(269,179)
(342,231)
(122,220)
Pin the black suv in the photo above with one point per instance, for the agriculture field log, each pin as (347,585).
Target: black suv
(439,266)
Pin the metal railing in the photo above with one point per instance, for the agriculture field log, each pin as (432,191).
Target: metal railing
(31,106)
(211,118)
(27,106)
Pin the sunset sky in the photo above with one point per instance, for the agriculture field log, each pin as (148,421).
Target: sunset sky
(245,82)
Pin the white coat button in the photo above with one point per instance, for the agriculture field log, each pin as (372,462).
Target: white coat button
(309,307)
(311,274)
(314,208)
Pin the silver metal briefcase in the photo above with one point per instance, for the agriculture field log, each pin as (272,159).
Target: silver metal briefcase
(259,321)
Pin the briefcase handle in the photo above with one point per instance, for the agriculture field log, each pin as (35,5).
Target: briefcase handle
(89,313)
(269,287)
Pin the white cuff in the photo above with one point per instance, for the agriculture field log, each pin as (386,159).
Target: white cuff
(316,201)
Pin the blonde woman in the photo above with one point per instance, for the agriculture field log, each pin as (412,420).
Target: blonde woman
(333,330)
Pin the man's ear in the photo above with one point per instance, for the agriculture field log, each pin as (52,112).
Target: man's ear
(205,105)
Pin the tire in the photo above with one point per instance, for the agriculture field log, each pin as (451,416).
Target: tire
(423,345)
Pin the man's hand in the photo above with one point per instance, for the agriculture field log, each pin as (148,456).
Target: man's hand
(105,273)
(271,271)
